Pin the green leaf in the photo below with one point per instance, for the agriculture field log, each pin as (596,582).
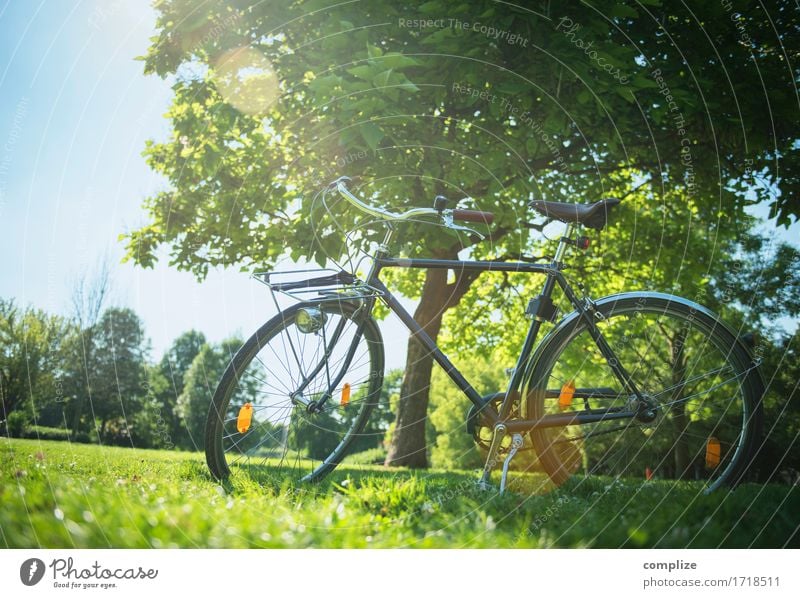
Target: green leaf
(642,82)
(625,93)
(430,8)
(382,79)
(395,60)
(364,71)
(371,134)
(621,10)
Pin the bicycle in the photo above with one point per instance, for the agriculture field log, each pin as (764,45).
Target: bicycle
(637,384)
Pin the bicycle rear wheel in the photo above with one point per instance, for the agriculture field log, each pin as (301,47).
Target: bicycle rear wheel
(703,384)
(256,422)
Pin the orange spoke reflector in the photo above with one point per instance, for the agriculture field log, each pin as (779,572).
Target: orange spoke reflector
(244,419)
(345,394)
(713,452)
(566,394)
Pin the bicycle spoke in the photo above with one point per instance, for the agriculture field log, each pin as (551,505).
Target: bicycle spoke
(690,397)
(691,374)
(282,436)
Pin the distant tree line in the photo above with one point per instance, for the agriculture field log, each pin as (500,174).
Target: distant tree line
(90,378)
(95,382)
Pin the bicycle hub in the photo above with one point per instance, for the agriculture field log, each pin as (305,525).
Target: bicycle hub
(646,410)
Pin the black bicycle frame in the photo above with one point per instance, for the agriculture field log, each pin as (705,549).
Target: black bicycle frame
(553,276)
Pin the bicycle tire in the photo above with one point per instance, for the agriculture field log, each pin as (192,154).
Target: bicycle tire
(279,327)
(559,453)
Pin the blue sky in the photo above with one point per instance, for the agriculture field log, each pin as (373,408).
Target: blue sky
(75,110)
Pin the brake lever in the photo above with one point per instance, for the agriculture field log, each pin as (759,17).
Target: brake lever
(447,218)
(341,179)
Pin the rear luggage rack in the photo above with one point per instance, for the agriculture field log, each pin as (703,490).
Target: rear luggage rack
(328,285)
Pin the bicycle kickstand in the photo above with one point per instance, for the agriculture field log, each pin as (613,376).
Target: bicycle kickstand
(516,444)
(498,434)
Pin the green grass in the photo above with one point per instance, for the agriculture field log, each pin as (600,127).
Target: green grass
(55,494)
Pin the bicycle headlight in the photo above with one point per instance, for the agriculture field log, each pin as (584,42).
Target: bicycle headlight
(309,319)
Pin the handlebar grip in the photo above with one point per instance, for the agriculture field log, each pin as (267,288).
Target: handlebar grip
(473,216)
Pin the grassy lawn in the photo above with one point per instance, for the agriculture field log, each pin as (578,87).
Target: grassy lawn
(55,494)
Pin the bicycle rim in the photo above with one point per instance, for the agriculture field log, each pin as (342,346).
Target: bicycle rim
(696,375)
(256,422)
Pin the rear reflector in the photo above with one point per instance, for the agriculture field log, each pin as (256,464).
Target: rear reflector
(345,394)
(245,418)
(566,394)
(713,453)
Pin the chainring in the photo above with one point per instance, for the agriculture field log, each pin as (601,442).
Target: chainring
(481,430)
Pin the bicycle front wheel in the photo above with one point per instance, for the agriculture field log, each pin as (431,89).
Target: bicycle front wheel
(701,382)
(297,394)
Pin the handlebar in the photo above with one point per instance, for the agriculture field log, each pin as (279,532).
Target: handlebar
(448,215)
(378,212)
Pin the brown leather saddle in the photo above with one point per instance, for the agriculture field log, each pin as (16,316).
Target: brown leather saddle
(594,215)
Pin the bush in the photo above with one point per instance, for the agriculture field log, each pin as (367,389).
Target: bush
(48,433)
(16,423)
(373,456)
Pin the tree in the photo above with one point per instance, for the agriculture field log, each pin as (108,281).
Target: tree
(117,373)
(155,424)
(200,382)
(89,296)
(30,360)
(169,376)
(270,97)
(779,460)
(374,433)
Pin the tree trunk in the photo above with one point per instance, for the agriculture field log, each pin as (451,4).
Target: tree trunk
(83,393)
(408,447)
(6,406)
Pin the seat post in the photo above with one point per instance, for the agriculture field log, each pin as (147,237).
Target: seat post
(562,243)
